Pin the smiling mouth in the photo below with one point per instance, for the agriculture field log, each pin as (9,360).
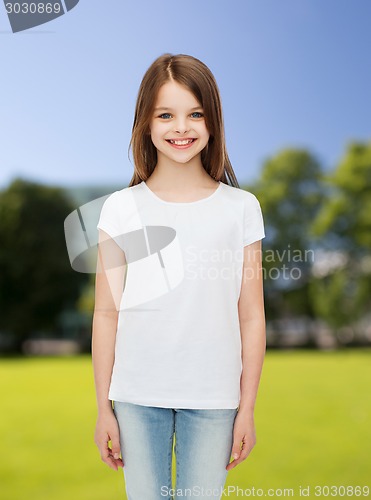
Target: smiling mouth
(181,143)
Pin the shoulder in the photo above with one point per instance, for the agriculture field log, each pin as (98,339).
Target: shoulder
(119,197)
(246,198)
(120,212)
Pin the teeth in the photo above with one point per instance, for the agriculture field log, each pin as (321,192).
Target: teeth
(181,143)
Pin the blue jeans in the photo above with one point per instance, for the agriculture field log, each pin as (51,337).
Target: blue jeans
(203,446)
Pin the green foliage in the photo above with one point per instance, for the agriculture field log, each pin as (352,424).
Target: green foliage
(289,190)
(85,303)
(344,222)
(290,194)
(306,210)
(37,281)
(340,297)
(347,212)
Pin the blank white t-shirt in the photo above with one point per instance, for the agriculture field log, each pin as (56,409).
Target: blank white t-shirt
(178,342)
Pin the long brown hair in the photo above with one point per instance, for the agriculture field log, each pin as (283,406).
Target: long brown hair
(198,79)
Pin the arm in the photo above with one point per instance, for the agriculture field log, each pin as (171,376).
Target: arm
(253,339)
(111,268)
(252,324)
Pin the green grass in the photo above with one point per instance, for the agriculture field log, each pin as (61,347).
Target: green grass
(312,418)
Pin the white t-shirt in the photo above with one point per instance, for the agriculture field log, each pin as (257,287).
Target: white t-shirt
(178,342)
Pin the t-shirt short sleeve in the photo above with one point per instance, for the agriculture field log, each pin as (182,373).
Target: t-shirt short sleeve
(253,220)
(109,216)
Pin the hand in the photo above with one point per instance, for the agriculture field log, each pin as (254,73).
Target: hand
(243,432)
(107,429)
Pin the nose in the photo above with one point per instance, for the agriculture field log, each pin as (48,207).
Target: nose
(181,126)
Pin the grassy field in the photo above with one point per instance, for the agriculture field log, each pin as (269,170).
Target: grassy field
(312,418)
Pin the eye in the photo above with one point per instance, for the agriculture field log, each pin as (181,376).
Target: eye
(198,113)
(163,114)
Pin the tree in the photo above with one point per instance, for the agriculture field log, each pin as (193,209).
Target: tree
(37,281)
(342,293)
(289,190)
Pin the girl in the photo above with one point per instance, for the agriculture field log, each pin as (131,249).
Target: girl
(179,328)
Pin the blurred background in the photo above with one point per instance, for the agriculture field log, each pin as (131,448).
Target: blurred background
(295,80)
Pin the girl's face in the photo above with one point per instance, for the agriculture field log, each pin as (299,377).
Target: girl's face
(178,116)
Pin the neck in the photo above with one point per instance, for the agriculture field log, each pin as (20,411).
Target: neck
(171,174)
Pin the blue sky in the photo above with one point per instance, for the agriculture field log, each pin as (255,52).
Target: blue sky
(292,73)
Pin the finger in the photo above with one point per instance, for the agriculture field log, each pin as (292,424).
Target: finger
(235,455)
(234,463)
(238,456)
(115,446)
(108,459)
(115,456)
(236,448)
(107,456)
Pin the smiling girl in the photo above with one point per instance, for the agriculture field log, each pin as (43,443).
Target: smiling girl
(178,354)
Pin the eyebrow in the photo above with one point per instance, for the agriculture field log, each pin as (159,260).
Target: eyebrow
(169,109)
